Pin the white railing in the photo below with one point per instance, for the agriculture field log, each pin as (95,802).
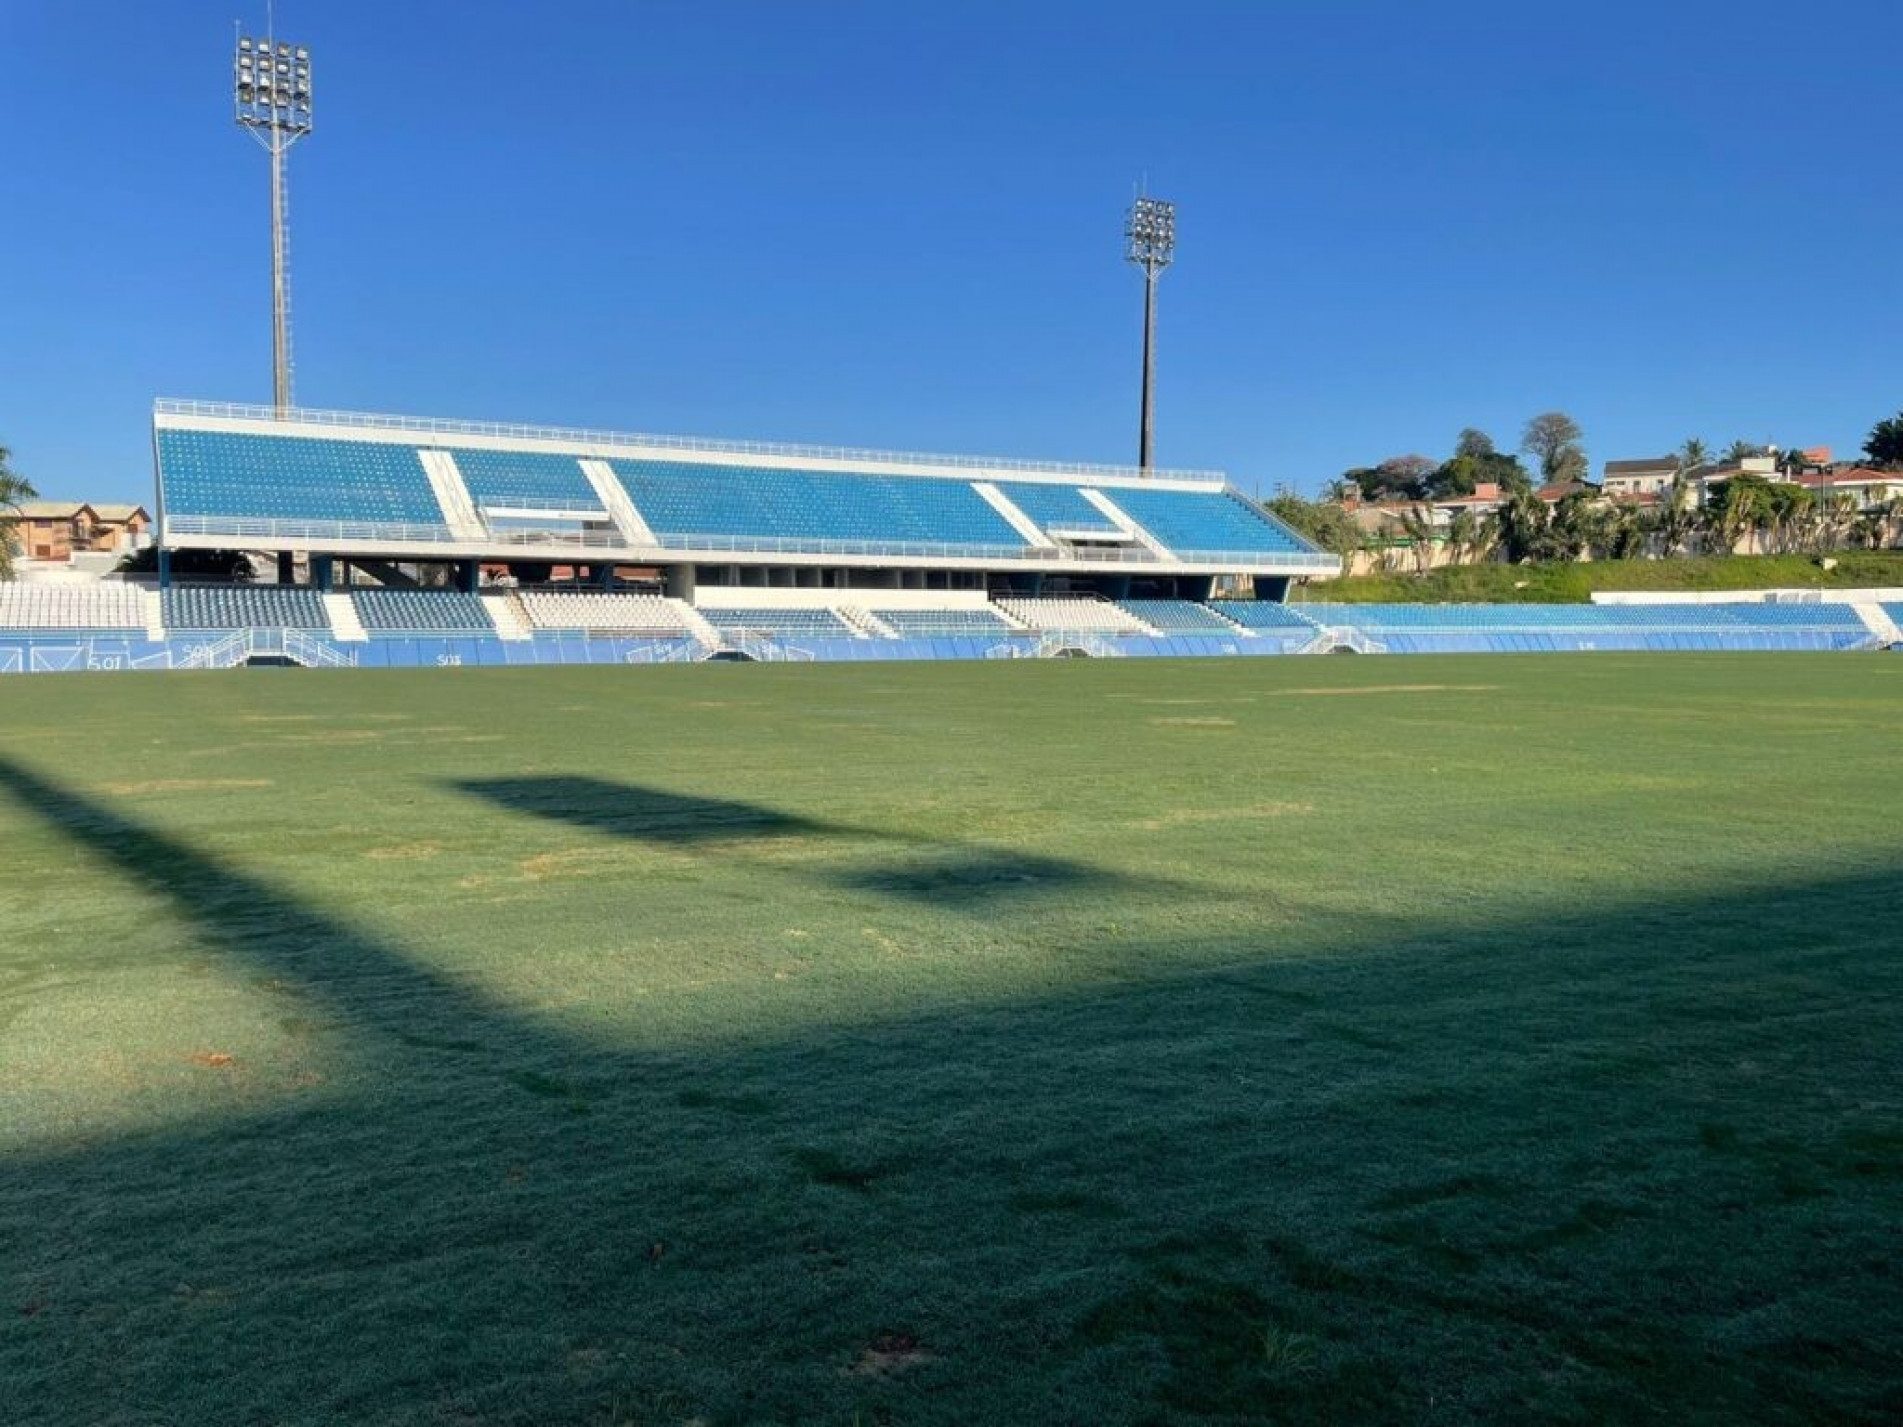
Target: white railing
(242,645)
(238,411)
(1056,645)
(554,541)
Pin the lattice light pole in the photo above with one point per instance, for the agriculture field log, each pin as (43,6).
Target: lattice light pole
(1150,236)
(271,90)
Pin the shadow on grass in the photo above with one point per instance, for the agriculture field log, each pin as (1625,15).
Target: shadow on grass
(1649,1172)
(929,870)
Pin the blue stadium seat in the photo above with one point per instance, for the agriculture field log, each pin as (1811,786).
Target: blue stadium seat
(1262,614)
(780,623)
(206,607)
(1173,616)
(293,478)
(1057,507)
(534,480)
(1190,522)
(762,507)
(942,623)
(387,612)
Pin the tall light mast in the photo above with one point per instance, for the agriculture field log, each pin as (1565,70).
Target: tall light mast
(271,89)
(1150,235)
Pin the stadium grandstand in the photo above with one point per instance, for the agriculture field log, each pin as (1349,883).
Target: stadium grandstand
(397,541)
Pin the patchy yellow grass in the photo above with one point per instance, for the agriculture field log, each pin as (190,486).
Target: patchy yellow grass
(144,786)
(1187,817)
(1387,689)
(1194,722)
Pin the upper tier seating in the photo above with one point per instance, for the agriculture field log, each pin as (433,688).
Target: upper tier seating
(421,611)
(766,507)
(1895,611)
(1057,507)
(1070,616)
(1190,523)
(244,607)
(534,480)
(294,479)
(604,613)
(1261,614)
(780,623)
(71,607)
(943,623)
(1178,616)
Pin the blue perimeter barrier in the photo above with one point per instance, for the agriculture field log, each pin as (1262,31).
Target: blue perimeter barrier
(26,655)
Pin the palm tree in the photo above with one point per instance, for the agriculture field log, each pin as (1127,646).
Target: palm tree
(1693,454)
(14,488)
(1417,524)
(1678,516)
(1463,535)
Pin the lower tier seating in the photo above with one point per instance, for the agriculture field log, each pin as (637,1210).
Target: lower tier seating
(604,613)
(244,607)
(41,608)
(1173,616)
(1261,614)
(780,623)
(1069,616)
(942,623)
(421,612)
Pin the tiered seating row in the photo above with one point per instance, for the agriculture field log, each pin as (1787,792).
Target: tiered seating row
(756,506)
(193,607)
(780,623)
(1191,523)
(421,612)
(303,479)
(71,607)
(943,623)
(1055,507)
(1262,614)
(1074,616)
(534,480)
(1178,616)
(643,615)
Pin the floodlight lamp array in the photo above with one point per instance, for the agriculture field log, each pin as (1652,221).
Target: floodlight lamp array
(1150,231)
(271,85)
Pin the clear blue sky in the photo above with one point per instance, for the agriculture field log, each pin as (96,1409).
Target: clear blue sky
(899,225)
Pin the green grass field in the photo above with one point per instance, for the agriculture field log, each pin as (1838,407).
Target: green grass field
(1360,1041)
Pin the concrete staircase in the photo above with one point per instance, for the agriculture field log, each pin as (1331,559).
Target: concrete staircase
(153,609)
(344,623)
(504,607)
(709,637)
(452,495)
(1877,620)
(865,623)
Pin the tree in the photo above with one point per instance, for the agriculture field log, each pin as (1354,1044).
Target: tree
(1679,520)
(14,488)
(1525,526)
(1740,451)
(1474,443)
(1397,478)
(1885,446)
(1321,521)
(1418,525)
(1693,454)
(1555,440)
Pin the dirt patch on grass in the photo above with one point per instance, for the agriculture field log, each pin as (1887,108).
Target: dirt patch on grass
(277,718)
(1189,817)
(1201,722)
(405,852)
(335,735)
(212,1059)
(180,785)
(1387,689)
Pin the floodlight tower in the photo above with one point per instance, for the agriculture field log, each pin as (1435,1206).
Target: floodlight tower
(271,90)
(1150,235)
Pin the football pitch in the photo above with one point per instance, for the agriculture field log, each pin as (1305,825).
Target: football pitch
(1288,1040)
